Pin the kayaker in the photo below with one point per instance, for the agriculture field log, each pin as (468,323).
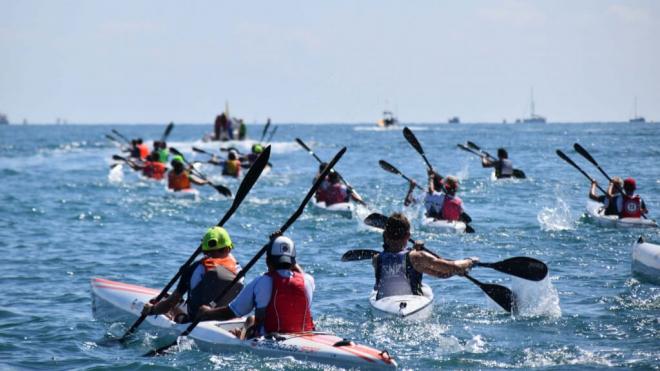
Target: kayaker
(337,192)
(160,148)
(153,168)
(503,166)
(254,154)
(281,298)
(203,280)
(134,150)
(232,167)
(434,198)
(607,199)
(399,269)
(630,205)
(179,178)
(142,148)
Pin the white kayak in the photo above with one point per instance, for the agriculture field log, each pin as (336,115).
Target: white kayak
(188,194)
(646,260)
(416,307)
(596,212)
(114,301)
(343,208)
(444,226)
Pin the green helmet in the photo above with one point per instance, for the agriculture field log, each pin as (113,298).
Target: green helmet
(257,148)
(177,158)
(216,238)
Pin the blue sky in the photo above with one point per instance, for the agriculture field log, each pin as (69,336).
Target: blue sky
(332,61)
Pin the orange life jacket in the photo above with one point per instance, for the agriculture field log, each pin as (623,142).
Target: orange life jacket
(178,182)
(232,168)
(144,151)
(228,262)
(154,169)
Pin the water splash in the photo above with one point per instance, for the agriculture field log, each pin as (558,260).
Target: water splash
(556,219)
(536,298)
(116,174)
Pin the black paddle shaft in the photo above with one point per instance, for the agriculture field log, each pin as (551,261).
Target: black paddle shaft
(563,156)
(391,169)
(246,185)
(262,251)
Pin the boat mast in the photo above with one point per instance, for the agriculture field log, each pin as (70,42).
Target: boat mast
(635,116)
(531,102)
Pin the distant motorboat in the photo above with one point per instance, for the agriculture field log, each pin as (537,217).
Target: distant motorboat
(387,120)
(3,119)
(454,120)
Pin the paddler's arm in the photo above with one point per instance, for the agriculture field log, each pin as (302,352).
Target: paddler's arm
(162,306)
(206,313)
(486,162)
(197,180)
(431,176)
(593,195)
(424,262)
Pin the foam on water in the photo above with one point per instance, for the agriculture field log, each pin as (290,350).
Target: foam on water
(536,298)
(558,218)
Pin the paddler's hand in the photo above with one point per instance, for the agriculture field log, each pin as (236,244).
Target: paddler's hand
(419,245)
(203,312)
(148,308)
(465,265)
(275,234)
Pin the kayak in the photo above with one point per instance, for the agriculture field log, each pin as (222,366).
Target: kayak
(646,260)
(187,194)
(444,226)
(343,208)
(113,300)
(595,211)
(416,307)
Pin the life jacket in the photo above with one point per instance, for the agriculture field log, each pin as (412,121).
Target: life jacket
(452,207)
(288,310)
(433,202)
(232,168)
(144,151)
(336,193)
(504,168)
(252,157)
(178,182)
(155,170)
(632,207)
(395,275)
(322,191)
(163,155)
(209,278)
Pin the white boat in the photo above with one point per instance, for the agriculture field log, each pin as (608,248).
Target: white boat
(114,301)
(343,208)
(646,260)
(187,194)
(444,226)
(596,211)
(415,307)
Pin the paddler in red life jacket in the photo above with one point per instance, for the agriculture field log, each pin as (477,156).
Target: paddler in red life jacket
(630,205)
(281,298)
(503,166)
(321,192)
(153,168)
(179,178)
(444,206)
(142,148)
(203,280)
(399,269)
(337,192)
(608,199)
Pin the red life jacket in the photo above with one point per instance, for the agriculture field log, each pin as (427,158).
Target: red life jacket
(632,207)
(178,182)
(321,192)
(452,208)
(154,169)
(144,151)
(336,193)
(288,310)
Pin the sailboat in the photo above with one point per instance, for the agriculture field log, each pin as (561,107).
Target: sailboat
(635,117)
(533,118)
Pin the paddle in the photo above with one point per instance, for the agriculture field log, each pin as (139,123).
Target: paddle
(121,136)
(517,173)
(500,294)
(391,169)
(218,187)
(249,265)
(246,185)
(167,132)
(589,158)
(130,163)
(519,266)
(199,150)
(563,156)
(463,147)
(114,140)
(410,137)
(358,198)
(272,134)
(263,133)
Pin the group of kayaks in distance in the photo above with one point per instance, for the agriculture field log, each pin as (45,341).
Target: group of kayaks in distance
(272,314)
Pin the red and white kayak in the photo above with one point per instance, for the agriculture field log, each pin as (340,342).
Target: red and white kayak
(444,226)
(596,212)
(341,208)
(114,301)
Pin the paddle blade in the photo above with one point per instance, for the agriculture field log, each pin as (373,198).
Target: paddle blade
(360,254)
(167,131)
(302,144)
(517,173)
(376,220)
(410,137)
(222,189)
(199,150)
(469,229)
(176,152)
(579,149)
(520,266)
(119,158)
(473,145)
(388,167)
(500,294)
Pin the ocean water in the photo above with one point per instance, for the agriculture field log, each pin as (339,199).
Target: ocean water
(66,217)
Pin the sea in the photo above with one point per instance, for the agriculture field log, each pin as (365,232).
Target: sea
(67,215)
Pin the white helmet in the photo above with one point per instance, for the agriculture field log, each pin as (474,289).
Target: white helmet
(282,250)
